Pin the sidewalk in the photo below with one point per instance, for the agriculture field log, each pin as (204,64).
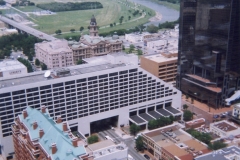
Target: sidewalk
(121,134)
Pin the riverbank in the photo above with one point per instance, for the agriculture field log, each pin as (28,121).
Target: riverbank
(158,17)
(167,4)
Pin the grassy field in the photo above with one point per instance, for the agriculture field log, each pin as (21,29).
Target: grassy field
(65,21)
(28,8)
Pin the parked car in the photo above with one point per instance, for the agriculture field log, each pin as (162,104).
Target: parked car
(146,156)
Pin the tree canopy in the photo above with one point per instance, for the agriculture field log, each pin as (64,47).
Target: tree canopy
(134,129)
(203,137)
(152,28)
(187,115)
(26,63)
(217,145)
(162,121)
(43,66)
(69,6)
(58,31)
(92,139)
(139,143)
(37,62)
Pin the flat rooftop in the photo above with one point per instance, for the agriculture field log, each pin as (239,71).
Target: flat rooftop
(226,127)
(101,145)
(39,76)
(171,138)
(160,58)
(227,153)
(196,121)
(8,65)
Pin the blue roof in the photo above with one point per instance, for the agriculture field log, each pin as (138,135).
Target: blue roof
(53,133)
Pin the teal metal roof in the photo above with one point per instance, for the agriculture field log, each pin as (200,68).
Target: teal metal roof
(52,134)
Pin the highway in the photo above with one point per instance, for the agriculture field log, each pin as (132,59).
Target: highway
(27,29)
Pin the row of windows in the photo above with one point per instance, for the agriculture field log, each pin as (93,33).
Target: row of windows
(94,100)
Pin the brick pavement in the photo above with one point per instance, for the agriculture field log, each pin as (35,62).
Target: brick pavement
(202,109)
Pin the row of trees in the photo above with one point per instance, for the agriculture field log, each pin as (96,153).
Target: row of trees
(23,3)
(26,63)
(69,6)
(162,121)
(171,1)
(206,138)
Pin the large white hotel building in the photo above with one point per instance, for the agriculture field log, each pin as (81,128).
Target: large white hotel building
(109,86)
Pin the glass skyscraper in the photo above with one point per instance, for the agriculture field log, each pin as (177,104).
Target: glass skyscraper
(209,50)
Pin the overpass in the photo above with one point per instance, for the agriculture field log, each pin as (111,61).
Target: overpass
(27,29)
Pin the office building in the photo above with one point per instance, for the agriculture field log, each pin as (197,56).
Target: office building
(224,129)
(37,136)
(54,54)
(163,66)
(209,44)
(11,68)
(235,113)
(116,88)
(171,142)
(228,153)
(94,45)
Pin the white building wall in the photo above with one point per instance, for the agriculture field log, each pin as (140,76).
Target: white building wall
(84,122)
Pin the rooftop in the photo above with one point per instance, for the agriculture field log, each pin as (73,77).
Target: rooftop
(53,134)
(39,76)
(8,65)
(225,126)
(173,138)
(55,46)
(100,145)
(196,121)
(160,58)
(227,153)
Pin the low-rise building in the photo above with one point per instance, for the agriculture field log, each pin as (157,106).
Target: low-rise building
(37,136)
(171,142)
(137,37)
(224,129)
(54,54)
(163,66)
(228,153)
(236,111)
(11,68)
(196,123)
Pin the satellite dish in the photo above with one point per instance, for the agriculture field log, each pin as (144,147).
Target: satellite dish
(47,74)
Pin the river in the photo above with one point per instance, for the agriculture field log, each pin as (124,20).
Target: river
(168,14)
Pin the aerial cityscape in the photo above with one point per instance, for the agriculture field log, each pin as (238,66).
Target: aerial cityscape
(119,80)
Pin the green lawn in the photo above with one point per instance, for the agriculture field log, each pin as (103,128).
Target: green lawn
(111,13)
(28,8)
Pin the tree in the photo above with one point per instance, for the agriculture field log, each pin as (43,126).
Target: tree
(26,63)
(79,62)
(2,2)
(217,145)
(72,30)
(81,29)
(43,66)
(185,106)
(92,139)
(114,23)
(152,124)
(111,25)
(0,12)
(187,115)
(129,17)
(139,52)
(139,143)
(132,47)
(30,57)
(58,31)
(152,28)
(37,62)
(203,137)
(134,129)
(187,97)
